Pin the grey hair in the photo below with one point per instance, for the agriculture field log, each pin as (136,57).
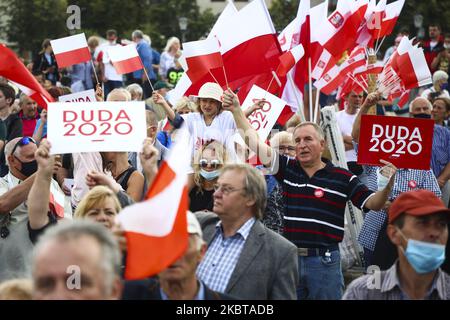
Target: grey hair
(9,147)
(430,106)
(111,258)
(316,127)
(137,34)
(254,185)
(122,91)
(135,88)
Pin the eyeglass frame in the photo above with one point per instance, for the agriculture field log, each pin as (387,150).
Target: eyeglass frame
(226,192)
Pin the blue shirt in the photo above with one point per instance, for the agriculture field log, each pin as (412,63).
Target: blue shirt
(200,294)
(405,180)
(82,72)
(222,256)
(146,55)
(44,131)
(440,153)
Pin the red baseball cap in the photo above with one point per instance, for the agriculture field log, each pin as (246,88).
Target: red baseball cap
(416,203)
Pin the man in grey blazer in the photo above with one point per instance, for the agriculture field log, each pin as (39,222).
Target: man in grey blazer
(244,258)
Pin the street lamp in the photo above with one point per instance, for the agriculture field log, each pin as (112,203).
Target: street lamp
(418,23)
(183,23)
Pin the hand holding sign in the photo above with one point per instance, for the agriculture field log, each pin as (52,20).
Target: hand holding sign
(388,171)
(95,178)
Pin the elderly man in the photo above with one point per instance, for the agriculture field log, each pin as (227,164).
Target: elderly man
(77,261)
(377,248)
(178,281)
(146,55)
(244,258)
(316,195)
(18,226)
(418,229)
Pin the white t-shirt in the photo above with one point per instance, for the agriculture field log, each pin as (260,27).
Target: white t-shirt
(83,163)
(426,93)
(110,72)
(222,129)
(345,122)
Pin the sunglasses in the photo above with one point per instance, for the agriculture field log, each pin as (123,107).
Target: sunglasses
(215,164)
(23,142)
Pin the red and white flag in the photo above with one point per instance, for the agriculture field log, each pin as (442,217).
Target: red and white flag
(57,199)
(125,59)
(289,59)
(201,57)
(156,229)
(339,32)
(335,77)
(15,71)
(249,48)
(297,33)
(384,25)
(71,50)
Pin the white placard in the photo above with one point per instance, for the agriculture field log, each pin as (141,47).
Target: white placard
(264,119)
(82,96)
(97,126)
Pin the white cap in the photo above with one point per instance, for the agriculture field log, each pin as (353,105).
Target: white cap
(211,90)
(193,225)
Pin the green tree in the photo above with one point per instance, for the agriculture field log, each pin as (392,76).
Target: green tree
(283,12)
(33,21)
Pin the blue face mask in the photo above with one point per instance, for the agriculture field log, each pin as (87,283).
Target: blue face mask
(209,175)
(444,86)
(424,257)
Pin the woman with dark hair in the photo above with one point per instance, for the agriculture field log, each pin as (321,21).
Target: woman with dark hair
(45,62)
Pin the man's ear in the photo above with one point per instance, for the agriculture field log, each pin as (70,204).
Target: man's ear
(9,101)
(11,159)
(394,235)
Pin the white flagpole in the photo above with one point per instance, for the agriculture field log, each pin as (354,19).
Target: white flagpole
(310,91)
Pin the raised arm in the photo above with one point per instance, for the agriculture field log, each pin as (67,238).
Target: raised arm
(159,99)
(38,198)
(149,161)
(371,99)
(379,199)
(250,136)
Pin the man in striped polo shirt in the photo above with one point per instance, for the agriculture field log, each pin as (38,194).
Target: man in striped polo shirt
(316,194)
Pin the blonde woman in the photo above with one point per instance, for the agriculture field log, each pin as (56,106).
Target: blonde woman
(208,161)
(169,57)
(100,204)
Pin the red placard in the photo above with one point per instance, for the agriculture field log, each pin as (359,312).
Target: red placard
(405,142)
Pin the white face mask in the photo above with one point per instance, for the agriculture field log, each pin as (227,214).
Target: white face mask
(447,45)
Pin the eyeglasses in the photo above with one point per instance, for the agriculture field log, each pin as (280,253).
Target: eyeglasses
(23,142)
(226,190)
(215,164)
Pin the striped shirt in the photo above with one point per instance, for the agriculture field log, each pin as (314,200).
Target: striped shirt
(222,256)
(440,154)
(390,287)
(315,206)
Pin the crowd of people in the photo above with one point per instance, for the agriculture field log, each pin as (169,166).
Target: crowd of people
(270,231)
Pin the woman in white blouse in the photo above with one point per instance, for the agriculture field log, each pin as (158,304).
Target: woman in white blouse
(169,58)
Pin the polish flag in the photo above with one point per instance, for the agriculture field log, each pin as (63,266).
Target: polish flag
(289,59)
(339,32)
(375,68)
(15,71)
(297,33)
(125,59)
(156,229)
(71,50)
(249,47)
(57,201)
(334,78)
(388,19)
(409,63)
(201,57)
